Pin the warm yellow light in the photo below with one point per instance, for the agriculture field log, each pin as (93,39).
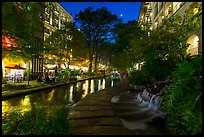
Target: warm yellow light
(25,105)
(92,86)
(50,95)
(71,93)
(104,83)
(195,10)
(195,41)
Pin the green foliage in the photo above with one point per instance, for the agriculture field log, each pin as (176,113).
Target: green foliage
(161,50)
(36,122)
(124,33)
(182,98)
(64,72)
(97,26)
(15,87)
(23,22)
(138,78)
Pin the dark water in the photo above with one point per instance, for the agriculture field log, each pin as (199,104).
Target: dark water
(51,99)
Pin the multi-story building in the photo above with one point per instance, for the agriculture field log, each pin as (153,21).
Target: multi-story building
(152,15)
(54,20)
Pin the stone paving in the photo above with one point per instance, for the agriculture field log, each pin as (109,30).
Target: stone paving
(96,115)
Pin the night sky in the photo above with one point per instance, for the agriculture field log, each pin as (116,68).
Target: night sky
(125,10)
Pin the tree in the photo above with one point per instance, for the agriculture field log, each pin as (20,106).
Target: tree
(66,44)
(97,25)
(23,22)
(124,33)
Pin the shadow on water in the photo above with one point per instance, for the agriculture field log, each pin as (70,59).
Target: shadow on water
(51,99)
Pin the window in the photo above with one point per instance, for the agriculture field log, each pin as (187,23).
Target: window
(46,30)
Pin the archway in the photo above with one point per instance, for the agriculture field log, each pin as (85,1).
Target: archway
(193,40)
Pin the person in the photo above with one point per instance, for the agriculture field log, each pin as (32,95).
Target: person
(39,79)
(47,79)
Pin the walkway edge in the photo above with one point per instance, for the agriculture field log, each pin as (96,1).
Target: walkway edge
(31,90)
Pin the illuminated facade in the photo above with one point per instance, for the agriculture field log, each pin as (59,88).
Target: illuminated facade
(53,20)
(152,15)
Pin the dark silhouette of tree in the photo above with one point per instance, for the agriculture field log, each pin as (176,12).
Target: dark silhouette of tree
(97,25)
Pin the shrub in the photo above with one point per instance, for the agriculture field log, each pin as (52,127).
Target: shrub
(182,98)
(36,122)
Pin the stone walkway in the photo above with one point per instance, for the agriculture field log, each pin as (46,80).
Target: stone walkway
(96,115)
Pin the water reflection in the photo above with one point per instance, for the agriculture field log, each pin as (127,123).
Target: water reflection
(51,99)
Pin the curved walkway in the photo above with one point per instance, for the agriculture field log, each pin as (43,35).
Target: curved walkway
(96,115)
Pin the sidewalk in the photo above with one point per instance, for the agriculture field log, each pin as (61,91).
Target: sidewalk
(96,115)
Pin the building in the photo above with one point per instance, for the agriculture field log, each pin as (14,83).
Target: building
(25,15)
(54,20)
(152,15)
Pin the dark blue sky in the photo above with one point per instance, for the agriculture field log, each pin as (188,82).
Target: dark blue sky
(128,10)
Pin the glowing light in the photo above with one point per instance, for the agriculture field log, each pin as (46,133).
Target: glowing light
(104,84)
(92,86)
(99,84)
(121,15)
(112,83)
(71,92)
(25,105)
(50,95)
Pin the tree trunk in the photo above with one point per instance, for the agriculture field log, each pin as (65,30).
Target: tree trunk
(95,57)
(90,61)
(95,62)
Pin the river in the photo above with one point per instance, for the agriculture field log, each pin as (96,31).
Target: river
(53,98)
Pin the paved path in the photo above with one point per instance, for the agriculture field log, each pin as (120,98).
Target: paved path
(96,115)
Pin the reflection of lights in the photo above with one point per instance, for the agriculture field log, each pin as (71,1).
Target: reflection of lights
(71,92)
(5,107)
(84,88)
(77,85)
(112,83)
(99,84)
(25,101)
(104,83)
(50,95)
(25,105)
(92,86)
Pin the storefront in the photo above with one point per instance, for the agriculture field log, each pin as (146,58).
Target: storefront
(14,73)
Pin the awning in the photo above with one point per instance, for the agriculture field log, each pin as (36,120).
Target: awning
(15,67)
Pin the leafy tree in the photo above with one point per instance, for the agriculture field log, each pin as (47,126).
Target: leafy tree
(23,22)
(97,25)
(162,49)
(66,44)
(124,33)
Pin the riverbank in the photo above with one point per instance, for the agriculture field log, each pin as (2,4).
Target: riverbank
(10,94)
